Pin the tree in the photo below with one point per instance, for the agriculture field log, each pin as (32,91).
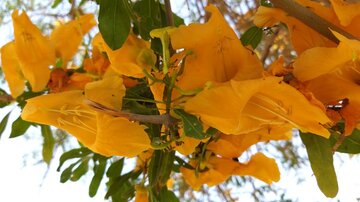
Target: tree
(188,100)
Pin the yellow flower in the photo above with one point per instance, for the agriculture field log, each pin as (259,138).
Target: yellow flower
(220,169)
(99,132)
(67,38)
(107,92)
(341,14)
(334,79)
(247,106)
(132,58)
(141,194)
(232,146)
(215,53)
(34,51)
(12,70)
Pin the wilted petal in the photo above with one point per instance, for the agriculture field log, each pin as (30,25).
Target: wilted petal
(68,37)
(33,50)
(216,53)
(12,70)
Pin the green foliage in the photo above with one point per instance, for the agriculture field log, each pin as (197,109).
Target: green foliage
(121,188)
(99,171)
(252,37)
(72,154)
(114,22)
(193,126)
(168,196)
(115,168)
(350,144)
(19,127)
(161,165)
(48,144)
(4,122)
(321,159)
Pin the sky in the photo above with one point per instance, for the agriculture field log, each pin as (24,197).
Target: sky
(22,177)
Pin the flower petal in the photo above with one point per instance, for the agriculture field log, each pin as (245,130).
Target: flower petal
(12,70)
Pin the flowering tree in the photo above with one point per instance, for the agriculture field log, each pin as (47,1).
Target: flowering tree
(187,101)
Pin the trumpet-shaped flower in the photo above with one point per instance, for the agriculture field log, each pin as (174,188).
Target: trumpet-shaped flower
(12,70)
(101,133)
(67,38)
(341,14)
(132,58)
(247,106)
(216,53)
(34,51)
(220,169)
(334,79)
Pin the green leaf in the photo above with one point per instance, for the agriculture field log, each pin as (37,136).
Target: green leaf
(161,165)
(119,182)
(115,168)
(168,196)
(321,159)
(114,22)
(56,3)
(3,123)
(192,125)
(74,153)
(80,171)
(99,170)
(66,174)
(252,37)
(19,127)
(125,193)
(351,143)
(48,144)
(148,17)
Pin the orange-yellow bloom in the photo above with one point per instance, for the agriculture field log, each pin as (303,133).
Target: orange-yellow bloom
(341,14)
(335,78)
(215,53)
(99,132)
(67,38)
(247,106)
(12,70)
(34,51)
(132,58)
(220,169)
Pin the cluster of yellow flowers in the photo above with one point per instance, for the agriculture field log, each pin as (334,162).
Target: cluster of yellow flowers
(217,79)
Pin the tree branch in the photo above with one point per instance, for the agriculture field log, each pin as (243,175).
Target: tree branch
(311,19)
(6,98)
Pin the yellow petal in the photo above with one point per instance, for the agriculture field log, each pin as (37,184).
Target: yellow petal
(302,36)
(260,167)
(310,64)
(141,194)
(232,146)
(65,111)
(12,70)
(34,51)
(216,53)
(108,92)
(118,136)
(68,37)
(247,106)
(346,12)
(132,58)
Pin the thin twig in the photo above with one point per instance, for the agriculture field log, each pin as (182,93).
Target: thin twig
(169,13)
(311,19)
(165,119)
(268,44)
(6,98)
